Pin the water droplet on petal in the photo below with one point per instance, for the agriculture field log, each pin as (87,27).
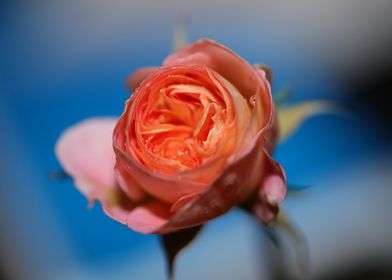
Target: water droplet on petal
(252,100)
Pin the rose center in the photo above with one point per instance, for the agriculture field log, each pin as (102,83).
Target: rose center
(183,123)
(186,116)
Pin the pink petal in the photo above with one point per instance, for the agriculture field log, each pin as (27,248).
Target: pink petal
(265,213)
(273,190)
(118,206)
(86,154)
(271,193)
(274,185)
(148,217)
(138,76)
(145,217)
(264,71)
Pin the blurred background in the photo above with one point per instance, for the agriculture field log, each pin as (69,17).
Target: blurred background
(64,61)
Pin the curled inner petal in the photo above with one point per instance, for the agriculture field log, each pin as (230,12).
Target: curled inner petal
(184,116)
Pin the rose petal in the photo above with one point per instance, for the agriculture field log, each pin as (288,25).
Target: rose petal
(148,217)
(265,213)
(86,154)
(236,183)
(128,184)
(273,190)
(118,206)
(138,76)
(220,59)
(144,217)
(271,193)
(251,82)
(182,202)
(264,70)
(166,188)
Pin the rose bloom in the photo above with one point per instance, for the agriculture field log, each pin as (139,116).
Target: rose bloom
(194,140)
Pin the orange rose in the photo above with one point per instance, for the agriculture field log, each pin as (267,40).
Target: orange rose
(193,141)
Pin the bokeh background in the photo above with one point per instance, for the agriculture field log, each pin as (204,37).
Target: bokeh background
(64,61)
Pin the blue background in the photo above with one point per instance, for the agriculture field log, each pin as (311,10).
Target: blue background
(63,62)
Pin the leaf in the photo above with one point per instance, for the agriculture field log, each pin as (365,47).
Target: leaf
(180,34)
(291,117)
(174,242)
(299,241)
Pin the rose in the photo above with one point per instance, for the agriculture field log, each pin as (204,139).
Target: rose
(194,141)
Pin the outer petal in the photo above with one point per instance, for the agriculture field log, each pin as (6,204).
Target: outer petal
(145,217)
(236,183)
(148,217)
(220,59)
(128,184)
(85,152)
(271,192)
(118,206)
(138,76)
(272,133)
(168,188)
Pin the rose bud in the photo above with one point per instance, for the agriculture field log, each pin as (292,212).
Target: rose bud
(194,141)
